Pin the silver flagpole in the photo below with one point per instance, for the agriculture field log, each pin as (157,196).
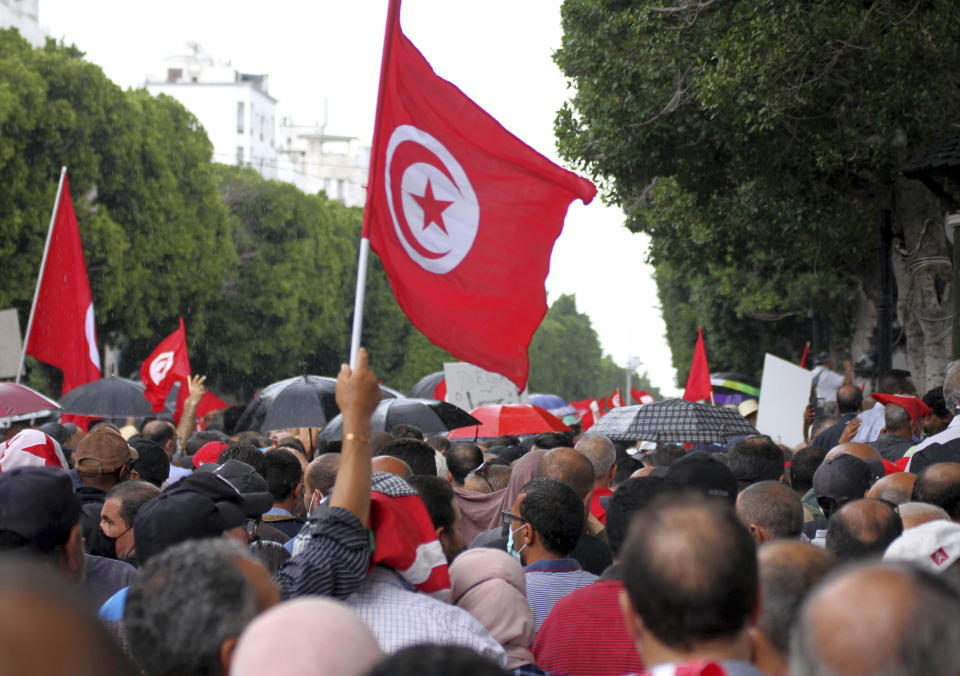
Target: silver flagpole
(43,264)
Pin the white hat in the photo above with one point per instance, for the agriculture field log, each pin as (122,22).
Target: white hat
(934,545)
(748,407)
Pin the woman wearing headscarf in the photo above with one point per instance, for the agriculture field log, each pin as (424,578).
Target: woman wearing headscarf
(489,584)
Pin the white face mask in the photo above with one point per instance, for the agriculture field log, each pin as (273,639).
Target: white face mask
(510,550)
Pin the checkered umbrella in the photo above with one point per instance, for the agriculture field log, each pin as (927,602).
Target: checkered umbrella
(673,421)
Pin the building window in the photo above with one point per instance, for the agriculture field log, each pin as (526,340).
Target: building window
(239,156)
(239,117)
(174,74)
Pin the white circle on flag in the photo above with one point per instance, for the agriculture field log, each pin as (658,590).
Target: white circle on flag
(438,207)
(160,366)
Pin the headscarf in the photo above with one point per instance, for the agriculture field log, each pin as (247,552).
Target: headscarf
(481,511)
(489,584)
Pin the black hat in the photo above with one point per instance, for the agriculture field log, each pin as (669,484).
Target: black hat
(39,505)
(700,471)
(179,514)
(845,477)
(257,498)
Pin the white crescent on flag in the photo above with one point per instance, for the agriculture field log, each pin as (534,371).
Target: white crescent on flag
(160,366)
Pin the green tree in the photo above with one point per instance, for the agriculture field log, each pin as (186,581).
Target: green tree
(566,358)
(755,141)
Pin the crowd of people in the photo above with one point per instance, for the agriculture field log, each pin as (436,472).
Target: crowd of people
(160,550)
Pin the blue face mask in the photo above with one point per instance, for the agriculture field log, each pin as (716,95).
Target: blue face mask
(510,551)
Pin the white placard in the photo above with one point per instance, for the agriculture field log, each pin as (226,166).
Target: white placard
(470,386)
(10,345)
(784,394)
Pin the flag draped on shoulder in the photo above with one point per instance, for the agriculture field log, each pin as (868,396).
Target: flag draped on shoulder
(698,382)
(61,330)
(167,364)
(462,214)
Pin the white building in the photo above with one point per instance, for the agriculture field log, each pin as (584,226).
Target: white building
(23,15)
(234,108)
(313,160)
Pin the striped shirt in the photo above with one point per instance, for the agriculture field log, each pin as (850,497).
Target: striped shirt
(550,580)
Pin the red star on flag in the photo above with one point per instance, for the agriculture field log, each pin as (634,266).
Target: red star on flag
(432,208)
(939,557)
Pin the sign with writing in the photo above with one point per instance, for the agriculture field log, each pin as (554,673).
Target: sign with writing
(470,386)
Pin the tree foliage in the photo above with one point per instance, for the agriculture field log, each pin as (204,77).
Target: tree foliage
(754,141)
(566,358)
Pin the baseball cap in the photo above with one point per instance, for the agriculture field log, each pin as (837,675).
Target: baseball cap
(101,451)
(845,477)
(38,504)
(252,487)
(748,407)
(208,453)
(934,545)
(700,471)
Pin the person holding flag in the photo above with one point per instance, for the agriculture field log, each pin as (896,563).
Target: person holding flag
(462,214)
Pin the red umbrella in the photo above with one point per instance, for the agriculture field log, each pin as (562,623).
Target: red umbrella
(509,419)
(17,400)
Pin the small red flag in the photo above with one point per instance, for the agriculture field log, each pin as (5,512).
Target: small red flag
(641,396)
(62,333)
(166,365)
(698,382)
(462,214)
(615,400)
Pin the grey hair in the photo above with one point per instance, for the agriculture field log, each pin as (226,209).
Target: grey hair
(928,641)
(184,604)
(896,417)
(600,451)
(951,385)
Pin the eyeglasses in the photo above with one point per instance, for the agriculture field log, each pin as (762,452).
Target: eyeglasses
(508,517)
(481,472)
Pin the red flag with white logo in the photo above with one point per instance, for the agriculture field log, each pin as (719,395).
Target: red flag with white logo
(166,365)
(61,330)
(462,214)
(641,396)
(698,382)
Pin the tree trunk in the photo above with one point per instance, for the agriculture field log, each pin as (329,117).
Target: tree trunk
(923,271)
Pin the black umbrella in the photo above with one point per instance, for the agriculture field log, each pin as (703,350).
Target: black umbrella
(430,415)
(426,386)
(673,421)
(111,397)
(303,401)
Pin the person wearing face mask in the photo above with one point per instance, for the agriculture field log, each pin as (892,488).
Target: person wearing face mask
(544,525)
(122,503)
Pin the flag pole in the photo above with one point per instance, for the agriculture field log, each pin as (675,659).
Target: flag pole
(393,20)
(43,264)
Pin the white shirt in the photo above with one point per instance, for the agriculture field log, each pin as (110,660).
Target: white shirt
(828,383)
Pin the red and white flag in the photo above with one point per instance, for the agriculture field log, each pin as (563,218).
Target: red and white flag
(698,382)
(462,214)
(641,396)
(31,448)
(61,330)
(615,400)
(167,364)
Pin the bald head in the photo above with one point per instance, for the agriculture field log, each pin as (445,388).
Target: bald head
(896,488)
(391,465)
(320,637)
(568,466)
(769,510)
(912,627)
(862,528)
(912,514)
(601,453)
(863,451)
(788,569)
(939,484)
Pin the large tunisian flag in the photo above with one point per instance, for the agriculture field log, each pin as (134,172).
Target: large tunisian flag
(462,214)
(62,331)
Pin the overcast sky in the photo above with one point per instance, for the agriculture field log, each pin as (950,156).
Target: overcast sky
(498,52)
